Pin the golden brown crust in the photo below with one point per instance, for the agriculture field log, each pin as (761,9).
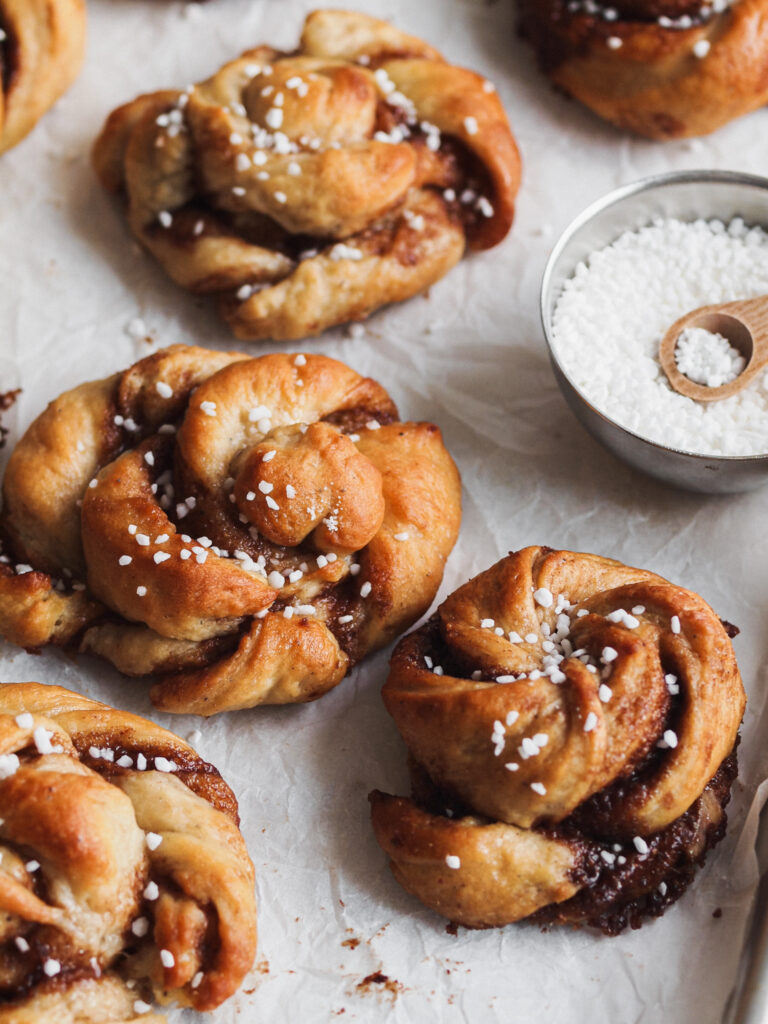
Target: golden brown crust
(504,873)
(248,529)
(41,51)
(308,189)
(99,808)
(86,1001)
(558,695)
(644,75)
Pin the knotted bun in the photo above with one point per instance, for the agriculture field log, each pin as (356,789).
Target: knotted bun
(307,189)
(42,43)
(247,529)
(123,874)
(578,719)
(665,69)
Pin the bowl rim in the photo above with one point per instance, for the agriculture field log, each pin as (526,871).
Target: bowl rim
(614,198)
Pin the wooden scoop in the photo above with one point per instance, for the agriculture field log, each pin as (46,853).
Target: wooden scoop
(743,323)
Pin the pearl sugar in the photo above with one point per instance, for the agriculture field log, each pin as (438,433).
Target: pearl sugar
(614,311)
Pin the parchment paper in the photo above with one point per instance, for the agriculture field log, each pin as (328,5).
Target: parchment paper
(471,357)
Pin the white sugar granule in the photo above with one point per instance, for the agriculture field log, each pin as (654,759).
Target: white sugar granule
(616,308)
(707,358)
(606,9)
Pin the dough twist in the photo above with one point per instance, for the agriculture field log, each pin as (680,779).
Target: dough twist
(248,529)
(123,874)
(42,43)
(577,718)
(308,189)
(666,69)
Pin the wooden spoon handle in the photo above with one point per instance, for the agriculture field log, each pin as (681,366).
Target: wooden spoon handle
(753,313)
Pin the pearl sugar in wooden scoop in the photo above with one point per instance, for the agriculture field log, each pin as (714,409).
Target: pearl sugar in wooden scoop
(724,345)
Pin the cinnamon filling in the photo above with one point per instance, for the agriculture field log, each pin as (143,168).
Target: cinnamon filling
(559,30)
(653,10)
(619,895)
(100,753)
(621,884)
(9,57)
(682,13)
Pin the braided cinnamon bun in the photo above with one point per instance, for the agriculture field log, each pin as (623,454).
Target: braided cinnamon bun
(310,188)
(572,724)
(42,43)
(124,876)
(246,529)
(665,69)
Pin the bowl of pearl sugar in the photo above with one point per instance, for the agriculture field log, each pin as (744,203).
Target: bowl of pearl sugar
(621,275)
